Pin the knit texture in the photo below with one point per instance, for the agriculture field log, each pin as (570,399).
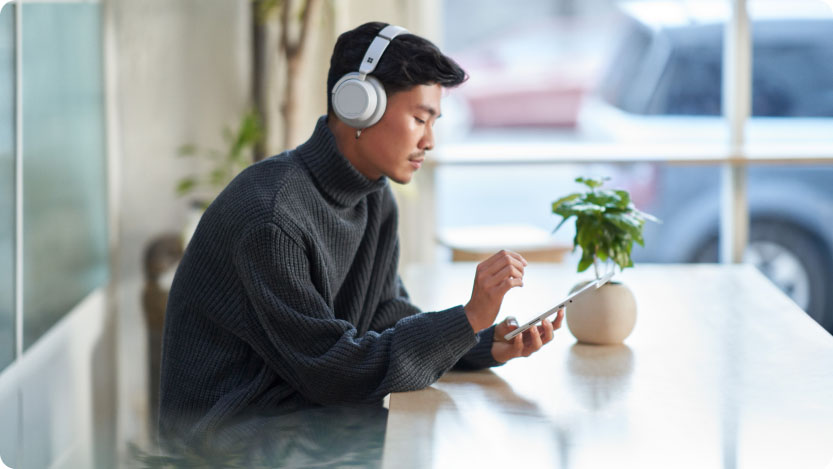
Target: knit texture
(287,297)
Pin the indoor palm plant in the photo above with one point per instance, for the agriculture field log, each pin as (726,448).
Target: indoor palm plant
(607,226)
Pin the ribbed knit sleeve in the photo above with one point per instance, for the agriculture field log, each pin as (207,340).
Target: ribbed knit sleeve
(297,334)
(400,306)
(480,356)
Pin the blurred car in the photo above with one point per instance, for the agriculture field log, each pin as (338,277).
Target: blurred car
(664,84)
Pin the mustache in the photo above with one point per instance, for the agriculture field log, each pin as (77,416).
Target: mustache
(417,155)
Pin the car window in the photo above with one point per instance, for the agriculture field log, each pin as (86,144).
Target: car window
(794,82)
(617,85)
(691,85)
(792,72)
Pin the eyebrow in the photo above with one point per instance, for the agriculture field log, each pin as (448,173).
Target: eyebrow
(429,110)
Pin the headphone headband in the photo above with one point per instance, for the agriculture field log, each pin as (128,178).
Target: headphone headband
(377,47)
(358,98)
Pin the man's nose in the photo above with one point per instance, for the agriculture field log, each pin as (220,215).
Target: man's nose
(427,141)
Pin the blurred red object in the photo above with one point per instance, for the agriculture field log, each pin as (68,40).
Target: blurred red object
(543,107)
(533,76)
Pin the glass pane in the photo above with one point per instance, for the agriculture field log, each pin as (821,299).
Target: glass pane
(595,77)
(611,76)
(792,61)
(791,231)
(588,71)
(7,130)
(685,197)
(64,199)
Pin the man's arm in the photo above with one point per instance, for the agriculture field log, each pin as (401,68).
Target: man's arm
(294,330)
(399,306)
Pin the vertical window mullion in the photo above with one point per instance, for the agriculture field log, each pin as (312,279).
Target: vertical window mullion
(737,84)
(18,179)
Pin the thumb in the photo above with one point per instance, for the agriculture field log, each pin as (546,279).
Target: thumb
(504,327)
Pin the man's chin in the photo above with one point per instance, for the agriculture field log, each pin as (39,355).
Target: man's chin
(402,177)
(401,180)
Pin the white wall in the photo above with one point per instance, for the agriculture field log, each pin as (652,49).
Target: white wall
(181,72)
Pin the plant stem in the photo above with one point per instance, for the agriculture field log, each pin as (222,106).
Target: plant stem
(596,267)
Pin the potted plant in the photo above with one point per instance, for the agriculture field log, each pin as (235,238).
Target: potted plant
(607,226)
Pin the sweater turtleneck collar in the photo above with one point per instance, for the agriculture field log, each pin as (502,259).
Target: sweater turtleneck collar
(334,175)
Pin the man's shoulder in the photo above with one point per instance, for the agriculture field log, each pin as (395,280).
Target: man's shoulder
(269,179)
(271,172)
(259,193)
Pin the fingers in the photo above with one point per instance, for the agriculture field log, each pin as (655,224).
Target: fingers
(508,284)
(508,272)
(501,272)
(523,345)
(505,256)
(518,345)
(494,272)
(532,340)
(558,319)
(494,277)
(547,328)
(503,264)
(498,264)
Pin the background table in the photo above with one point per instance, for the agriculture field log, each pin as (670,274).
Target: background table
(722,370)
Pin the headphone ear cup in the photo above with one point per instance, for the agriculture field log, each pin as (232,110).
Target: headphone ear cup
(359,103)
(381,101)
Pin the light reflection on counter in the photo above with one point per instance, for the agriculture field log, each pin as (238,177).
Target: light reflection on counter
(722,370)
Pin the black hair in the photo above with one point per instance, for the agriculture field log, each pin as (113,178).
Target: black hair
(408,61)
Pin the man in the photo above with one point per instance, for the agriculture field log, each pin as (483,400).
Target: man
(287,297)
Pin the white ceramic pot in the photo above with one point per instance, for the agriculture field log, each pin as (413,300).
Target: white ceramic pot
(604,316)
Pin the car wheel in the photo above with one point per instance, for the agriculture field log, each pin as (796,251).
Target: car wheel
(793,259)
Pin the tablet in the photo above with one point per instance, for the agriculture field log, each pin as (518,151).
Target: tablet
(590,286)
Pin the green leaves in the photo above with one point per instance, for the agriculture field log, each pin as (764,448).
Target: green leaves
(223,165)
(607,223)
(592,183)
(185,186)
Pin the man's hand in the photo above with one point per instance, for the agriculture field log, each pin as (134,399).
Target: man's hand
(525,344)
(495,276)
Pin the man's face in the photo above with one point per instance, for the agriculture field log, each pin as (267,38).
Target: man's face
(395,147)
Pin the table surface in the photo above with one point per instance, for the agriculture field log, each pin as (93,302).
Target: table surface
(721,370)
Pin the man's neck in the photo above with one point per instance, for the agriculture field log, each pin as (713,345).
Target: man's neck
(347,143)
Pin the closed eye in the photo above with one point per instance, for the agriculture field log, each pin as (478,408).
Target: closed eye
(420,121)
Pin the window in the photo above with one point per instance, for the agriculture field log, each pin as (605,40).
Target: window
(64,238)
(642,80)
(64,195)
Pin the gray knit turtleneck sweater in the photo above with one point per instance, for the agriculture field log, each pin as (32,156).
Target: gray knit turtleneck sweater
(288,297)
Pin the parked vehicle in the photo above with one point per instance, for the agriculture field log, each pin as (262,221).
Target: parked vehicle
(664,84)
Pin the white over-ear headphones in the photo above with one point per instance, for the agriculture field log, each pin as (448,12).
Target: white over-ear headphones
(358,99)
